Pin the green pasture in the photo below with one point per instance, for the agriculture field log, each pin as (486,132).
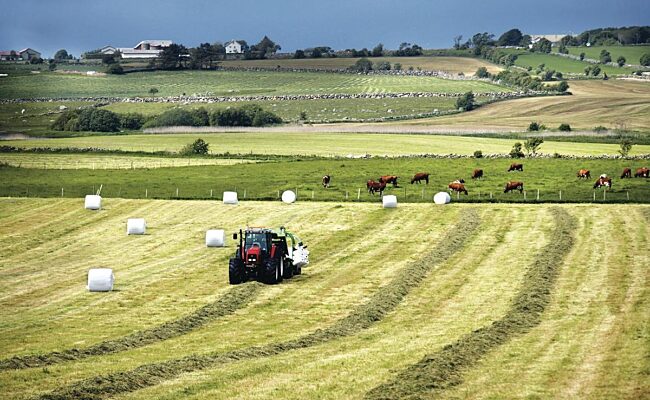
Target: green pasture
(226,83)
(565,65)
(425,278)
(320,144)
(632,54)
(555,179)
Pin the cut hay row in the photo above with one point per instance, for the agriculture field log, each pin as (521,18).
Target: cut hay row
(443,369)
(235,299)
(385,300)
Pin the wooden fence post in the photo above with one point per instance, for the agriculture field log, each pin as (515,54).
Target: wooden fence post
(594,195)
(524,195)
(61,192)
(628,195)
(146,193)
(176,192)
(560,195)
(359,194)
(210,193)
(537,194)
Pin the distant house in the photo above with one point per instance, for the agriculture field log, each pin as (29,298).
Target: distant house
(8,55)
(144,49)
(27,54)
(235,47)
(551,38)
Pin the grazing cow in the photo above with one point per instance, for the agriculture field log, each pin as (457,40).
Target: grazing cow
(374,187)
(389,179)
(642,173)
(477,174)
(584,173)
(627,173)
(458,187)
(326,181)
(421,176)
(510,186)
(603,181)
(516,167)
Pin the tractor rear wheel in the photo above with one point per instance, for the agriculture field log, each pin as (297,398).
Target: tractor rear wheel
(272,271)
(236,273)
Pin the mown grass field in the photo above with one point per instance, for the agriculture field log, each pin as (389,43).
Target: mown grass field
(266,181)
(226,83)
(320,144)
(613,104)
(305,338)
(632,54)
(455,65)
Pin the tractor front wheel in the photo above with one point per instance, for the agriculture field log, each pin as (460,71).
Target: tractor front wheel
(272,271)
(288,269)
(236,273)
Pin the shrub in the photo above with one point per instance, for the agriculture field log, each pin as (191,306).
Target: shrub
(532,145)
(564,128)
(89,119)
(621,61)
(198,147)
(595,71)
(382,66)
(645,60)
(533,127)
(362,65)
(397,67)
(179,117)
(248,115)
(626,146)
(600,129)
(132,121)
(478,154)
(582,56)
(115,69)
(562,87)
(466,102)
(605,57)
(482,72)
(303,116)
(516,151)
(62,120)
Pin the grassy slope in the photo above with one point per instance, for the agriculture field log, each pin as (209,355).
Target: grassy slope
(631,53)
(266,180)
(168,273)
(562,64)
(466,65)
(607,103)
(324,144)
(227,83)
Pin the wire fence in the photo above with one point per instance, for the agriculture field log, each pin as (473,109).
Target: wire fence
(338,194)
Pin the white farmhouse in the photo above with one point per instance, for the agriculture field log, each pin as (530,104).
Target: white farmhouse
(144,49)
(234,47)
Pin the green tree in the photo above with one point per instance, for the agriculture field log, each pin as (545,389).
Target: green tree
(378,51)
(382,66)
(516,151)
(532,145)
(397,67)
(362,65)
(626,146)
(466,102)
(587,70)
(564,128)
(595,71)
(115,69)
(533,127)
(542,46)
(605,57)
(645,60)
(582,56)
(198,147)
(62,55)
(153,91)
(510,38)
(562,87)
(172,57)
(482,72)
(299,54)
(621,61)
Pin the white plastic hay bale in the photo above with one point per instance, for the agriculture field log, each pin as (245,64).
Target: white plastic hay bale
(215,238)
(442,198)
(389,201)
(100,280)
(300,257)
(136,226)
(230,198)
(288,196)
(93,202)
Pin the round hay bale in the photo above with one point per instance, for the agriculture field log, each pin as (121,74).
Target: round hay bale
(230,198)
(389,201)
(288,196)
(93,202)
(136,226)
(100,280)
(215,238)
(442,198)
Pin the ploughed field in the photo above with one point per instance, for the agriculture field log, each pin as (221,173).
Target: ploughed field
(480,301)
(227,83)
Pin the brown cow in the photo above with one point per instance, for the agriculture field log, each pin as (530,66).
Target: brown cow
(510,186)
(389,179)
(421,176)
(326,181)
(374,187)
(477,174)
(627,173)
(457,187)
(584,173)
(603,181)
(516,167)
(642,173)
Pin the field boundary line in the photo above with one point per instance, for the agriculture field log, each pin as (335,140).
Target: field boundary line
(234,299)
(385,300)
(443,369)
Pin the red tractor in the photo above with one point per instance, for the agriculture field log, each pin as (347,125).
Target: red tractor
(267,255)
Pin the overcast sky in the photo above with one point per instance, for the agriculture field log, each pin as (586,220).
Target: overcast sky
(81,25)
